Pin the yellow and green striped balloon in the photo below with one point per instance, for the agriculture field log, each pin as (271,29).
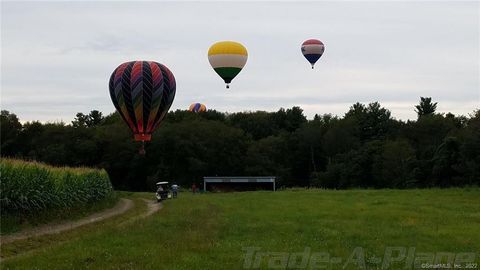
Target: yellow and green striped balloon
(227,59)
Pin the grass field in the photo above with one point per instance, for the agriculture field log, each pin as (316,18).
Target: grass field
(214,231)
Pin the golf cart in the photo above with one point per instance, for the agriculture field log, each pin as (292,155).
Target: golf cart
(163,191)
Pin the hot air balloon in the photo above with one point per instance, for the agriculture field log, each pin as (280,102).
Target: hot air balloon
(227,59)
(142,92)
(197,107)
(312,49)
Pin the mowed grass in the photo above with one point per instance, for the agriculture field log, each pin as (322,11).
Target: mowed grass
(211,231)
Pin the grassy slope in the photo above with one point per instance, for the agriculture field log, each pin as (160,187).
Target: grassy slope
(209,231)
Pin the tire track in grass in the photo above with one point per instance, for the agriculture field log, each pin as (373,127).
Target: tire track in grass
(152,208)
(55,229)
(121,207)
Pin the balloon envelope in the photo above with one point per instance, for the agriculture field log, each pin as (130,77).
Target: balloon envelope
(142,92)
(197,107)
(312,50)
(227,58)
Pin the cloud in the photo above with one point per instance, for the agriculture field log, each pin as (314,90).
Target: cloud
(57,56)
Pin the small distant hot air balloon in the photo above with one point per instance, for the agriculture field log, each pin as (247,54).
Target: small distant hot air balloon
(142,92)
(312,49)
(197,107)
(227,59)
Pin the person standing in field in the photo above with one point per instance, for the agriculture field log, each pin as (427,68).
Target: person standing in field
(174,190)
(194,188)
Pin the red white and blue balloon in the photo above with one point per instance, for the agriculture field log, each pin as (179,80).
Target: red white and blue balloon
(312,49)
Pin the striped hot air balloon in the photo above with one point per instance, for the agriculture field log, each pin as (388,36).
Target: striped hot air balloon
(312,49)
(142,92)
(227,59)
(197,107)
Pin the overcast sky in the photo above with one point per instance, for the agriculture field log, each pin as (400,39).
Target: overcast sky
(57,57)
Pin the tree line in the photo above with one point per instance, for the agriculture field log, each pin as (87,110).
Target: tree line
(365,148)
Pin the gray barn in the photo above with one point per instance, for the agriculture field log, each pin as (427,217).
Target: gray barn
(238,183)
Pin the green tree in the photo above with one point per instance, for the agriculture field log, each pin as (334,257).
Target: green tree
(310,137)
(80,120)
(188,150)
(365,148)
(94,118)
(352,169)
(269,156)
(10,130)
(257,124)
(393,168)
(294,118)
(426,107)
(445,162)
(341,136)
(371,122)
(469,167)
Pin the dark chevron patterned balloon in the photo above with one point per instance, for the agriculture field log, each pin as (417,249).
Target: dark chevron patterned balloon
(142,92)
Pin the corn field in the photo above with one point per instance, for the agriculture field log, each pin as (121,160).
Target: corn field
(31,186)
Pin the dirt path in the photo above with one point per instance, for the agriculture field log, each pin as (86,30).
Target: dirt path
(152,207)
(121,207)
